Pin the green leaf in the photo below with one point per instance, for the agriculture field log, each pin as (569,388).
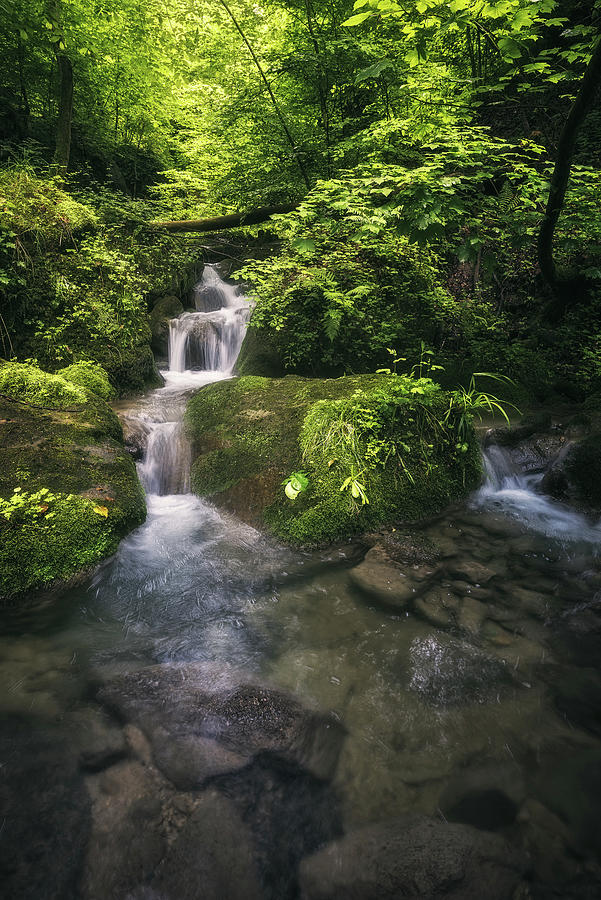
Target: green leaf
(356,20)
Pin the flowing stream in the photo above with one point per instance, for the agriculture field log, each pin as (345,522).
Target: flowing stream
(479,704)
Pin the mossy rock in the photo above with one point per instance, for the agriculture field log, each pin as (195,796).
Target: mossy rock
(89,375)
(93,496)
(248,436)
(164,309)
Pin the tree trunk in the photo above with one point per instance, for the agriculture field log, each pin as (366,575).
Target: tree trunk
(65,112)
(233,220)
(561,174)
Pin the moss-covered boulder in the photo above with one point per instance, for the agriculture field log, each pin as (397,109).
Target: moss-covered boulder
(165,309)
(370,449)
(68,489)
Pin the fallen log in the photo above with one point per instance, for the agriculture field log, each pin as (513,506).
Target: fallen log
(232,220)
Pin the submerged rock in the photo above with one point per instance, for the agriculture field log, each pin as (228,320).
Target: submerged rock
(250,434)
(45,812)
(413,857)
(201,724)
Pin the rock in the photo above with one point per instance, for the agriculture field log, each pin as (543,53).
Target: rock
(45,812)
(448,672)
(472,571)
(248,435)
(128,838)
(471,615)
(212,857)
(413,857)
(575,476)
(202,722)
(577,694)
(99,741)
(570,785)
(486,796)
(164,309)
(439,607)
(77,455)
(383,582)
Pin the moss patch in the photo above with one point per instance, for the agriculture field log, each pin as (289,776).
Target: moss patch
(250,433)
(78,455)
(89,375)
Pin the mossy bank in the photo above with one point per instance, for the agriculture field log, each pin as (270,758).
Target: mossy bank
(375,449)
(68,490)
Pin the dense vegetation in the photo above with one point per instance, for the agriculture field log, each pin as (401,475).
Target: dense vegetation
(441,161)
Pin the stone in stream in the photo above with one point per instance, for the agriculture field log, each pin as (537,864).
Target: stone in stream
(164,309)
(211,858)
(447,672)
(44,813)
(383,581)
(203,720)
(413,857)
(486,796)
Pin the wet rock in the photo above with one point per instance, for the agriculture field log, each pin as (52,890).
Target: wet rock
(438,607)
(575,476)
(486,796)
(472,615)
(570,786)
(99,741)
(577,695)
(45,812)
(135,436)
(289,813)
(127,840)
(472,571)
(413,857)
(212,857)
(164,309)
(384,582)
(448,672)
(202,721)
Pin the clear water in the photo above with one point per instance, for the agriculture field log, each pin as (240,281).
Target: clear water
(511,681)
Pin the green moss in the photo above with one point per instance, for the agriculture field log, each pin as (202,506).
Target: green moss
(79,457)
(31,385)
(249,434)
(89,375)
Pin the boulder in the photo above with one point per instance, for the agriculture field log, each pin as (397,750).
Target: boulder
(250,434)
(212,857)
(390,584)
(73,451)
(164,309)
(202,723)
(486,796)
(575,476)
(413,857)
(45,813)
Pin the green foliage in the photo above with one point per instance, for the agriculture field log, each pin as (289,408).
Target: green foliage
(373,449)
(89,375)
(29,384)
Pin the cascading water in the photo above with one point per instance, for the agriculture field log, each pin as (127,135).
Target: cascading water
(511,492)
(203,347)
(210,338)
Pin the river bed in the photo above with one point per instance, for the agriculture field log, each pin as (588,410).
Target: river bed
(481,706)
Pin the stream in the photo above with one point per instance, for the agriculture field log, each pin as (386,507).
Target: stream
(481,706)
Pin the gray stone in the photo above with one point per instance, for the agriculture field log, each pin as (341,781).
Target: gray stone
(45,814)
(413,857)
(212,858)
(202,721)
(387,583)
(486,796)
(471,571)
(438,607)
(100,741)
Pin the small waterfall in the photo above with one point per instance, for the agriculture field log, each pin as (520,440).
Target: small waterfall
(209,339)
(510,492)
(203,347)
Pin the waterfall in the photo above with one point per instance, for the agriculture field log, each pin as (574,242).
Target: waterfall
(209,339)
(508,491)
(203,347)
